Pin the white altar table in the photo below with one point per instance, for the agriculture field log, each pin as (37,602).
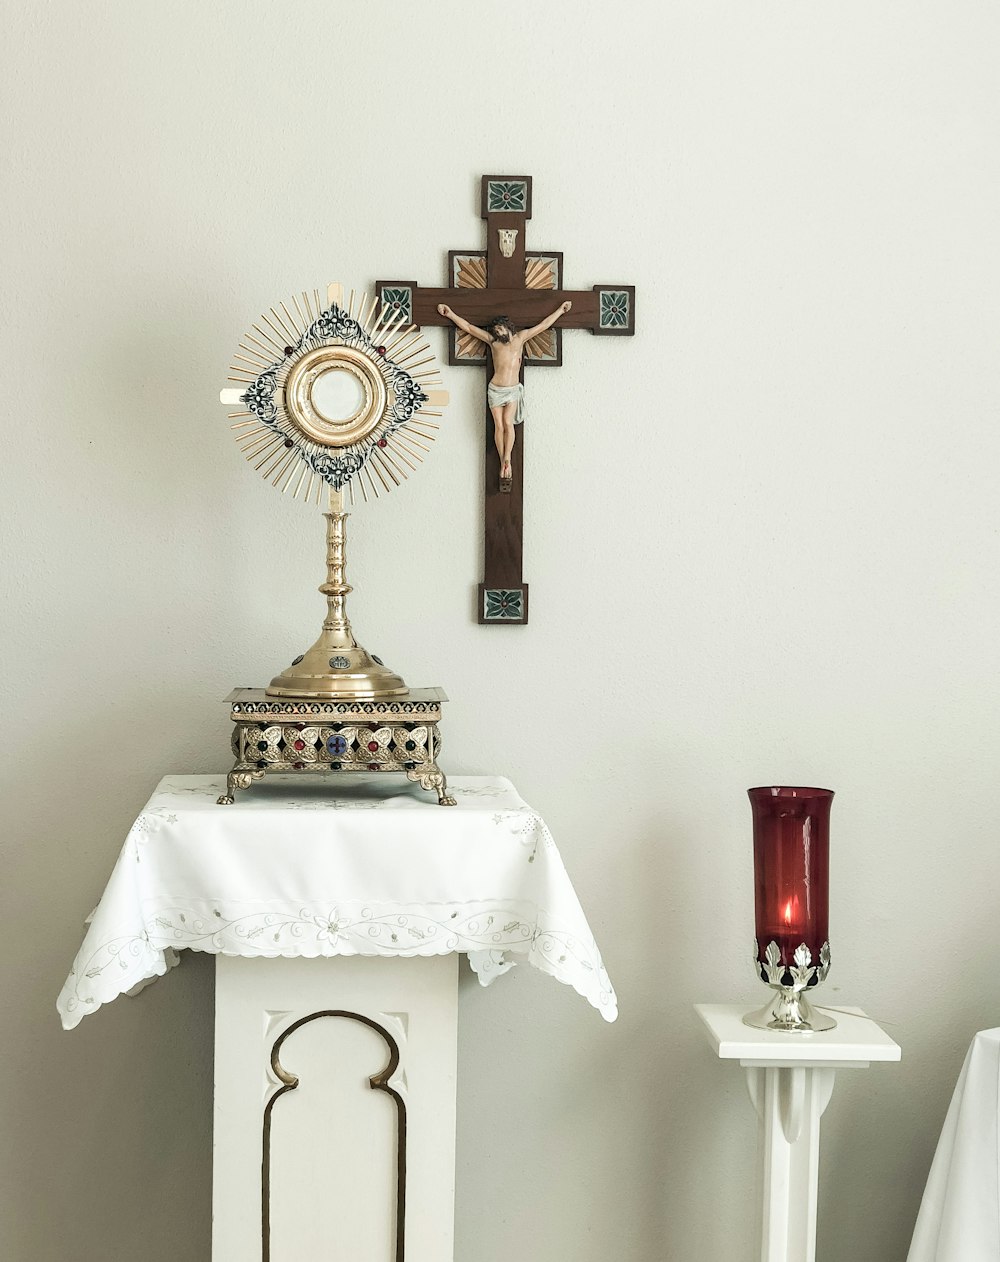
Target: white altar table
(366,867)
(335,1078)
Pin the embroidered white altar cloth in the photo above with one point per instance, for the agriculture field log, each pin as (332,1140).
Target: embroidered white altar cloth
(300,868)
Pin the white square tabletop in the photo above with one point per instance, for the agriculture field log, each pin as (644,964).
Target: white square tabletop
(856,1040)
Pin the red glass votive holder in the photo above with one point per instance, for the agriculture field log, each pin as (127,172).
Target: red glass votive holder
(791,863)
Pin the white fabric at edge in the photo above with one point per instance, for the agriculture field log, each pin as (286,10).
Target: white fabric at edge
(959,1218)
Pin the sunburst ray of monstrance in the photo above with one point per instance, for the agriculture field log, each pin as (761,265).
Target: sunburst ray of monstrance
(335,396)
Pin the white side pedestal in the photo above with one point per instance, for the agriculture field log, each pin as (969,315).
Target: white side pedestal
(790,1079)
(335,1109)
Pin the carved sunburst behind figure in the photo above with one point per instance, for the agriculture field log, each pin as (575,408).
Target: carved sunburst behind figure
(540,272)
(334,394)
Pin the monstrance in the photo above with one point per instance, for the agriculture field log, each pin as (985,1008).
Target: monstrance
(335,396)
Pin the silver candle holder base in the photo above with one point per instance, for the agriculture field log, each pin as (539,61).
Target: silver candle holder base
(790,1011)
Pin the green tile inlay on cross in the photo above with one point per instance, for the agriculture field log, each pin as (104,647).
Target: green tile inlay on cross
(509,195)
(503,603)
(614,309)
(400,301)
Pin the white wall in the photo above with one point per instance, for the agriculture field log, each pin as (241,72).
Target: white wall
(761,538)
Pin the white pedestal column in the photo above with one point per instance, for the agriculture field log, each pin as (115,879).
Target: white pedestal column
(790,1079)
(335,1109)
(789,1104)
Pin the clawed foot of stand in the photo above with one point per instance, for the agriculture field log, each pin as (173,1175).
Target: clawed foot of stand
(431,777)
(242,779)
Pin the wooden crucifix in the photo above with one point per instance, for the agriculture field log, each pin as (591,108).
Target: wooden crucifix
(526,286)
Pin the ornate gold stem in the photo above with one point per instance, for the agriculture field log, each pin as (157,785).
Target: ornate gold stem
(336,587)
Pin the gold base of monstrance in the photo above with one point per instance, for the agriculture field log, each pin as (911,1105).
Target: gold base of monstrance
(342,401)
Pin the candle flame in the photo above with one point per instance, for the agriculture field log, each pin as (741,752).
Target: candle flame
(788,912)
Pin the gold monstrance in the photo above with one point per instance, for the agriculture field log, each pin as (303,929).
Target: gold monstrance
(334,397)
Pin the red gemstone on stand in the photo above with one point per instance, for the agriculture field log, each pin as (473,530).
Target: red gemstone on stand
(300,744)
(373,746)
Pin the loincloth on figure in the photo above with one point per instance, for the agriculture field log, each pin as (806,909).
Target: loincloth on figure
(497,396)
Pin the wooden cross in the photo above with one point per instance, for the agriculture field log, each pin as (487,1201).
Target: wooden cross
(526,285)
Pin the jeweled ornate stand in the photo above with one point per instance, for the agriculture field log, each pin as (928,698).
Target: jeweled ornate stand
(281,734)
(337,707)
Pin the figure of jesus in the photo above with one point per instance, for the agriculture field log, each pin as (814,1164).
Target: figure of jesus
(505,393)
